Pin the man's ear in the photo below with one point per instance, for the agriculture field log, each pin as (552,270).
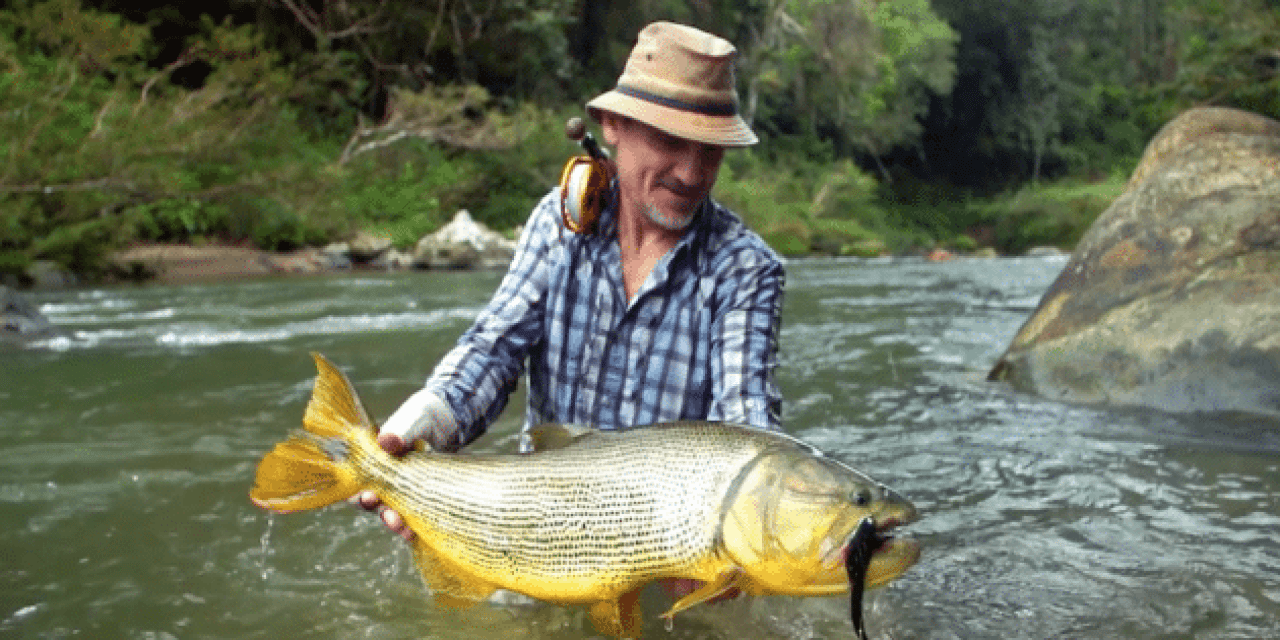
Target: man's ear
(609,125)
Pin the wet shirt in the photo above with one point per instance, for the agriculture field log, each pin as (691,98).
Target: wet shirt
(697,342)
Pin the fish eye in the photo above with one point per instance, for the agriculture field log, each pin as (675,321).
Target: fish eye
(862,497)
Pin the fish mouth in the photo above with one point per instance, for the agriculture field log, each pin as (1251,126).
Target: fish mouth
(870,537)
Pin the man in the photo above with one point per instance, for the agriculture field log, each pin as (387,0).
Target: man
(668,310)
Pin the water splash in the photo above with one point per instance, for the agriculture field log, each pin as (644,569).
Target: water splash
(21,615)
(266,549)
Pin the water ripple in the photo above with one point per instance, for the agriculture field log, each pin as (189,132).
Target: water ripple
(128,449)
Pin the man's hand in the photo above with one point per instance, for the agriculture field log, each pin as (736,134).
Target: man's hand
(423,418)
(369,501)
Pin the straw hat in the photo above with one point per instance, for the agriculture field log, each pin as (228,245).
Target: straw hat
(680,80)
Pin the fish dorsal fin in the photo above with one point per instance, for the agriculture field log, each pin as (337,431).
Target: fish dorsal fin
(549,435)
(334,406)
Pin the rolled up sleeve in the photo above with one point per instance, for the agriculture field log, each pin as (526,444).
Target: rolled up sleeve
(745,348)
(480,372)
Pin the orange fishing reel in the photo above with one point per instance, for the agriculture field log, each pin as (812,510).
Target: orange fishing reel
(584,183)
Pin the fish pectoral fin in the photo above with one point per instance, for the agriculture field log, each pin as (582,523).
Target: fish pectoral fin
(618,618)
(549,435)
(450,585)
(728,579)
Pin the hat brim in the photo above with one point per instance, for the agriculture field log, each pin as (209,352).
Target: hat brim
(723,131)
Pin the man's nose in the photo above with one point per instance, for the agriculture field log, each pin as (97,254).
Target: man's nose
(693,163)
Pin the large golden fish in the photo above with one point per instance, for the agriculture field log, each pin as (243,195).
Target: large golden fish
(591,516)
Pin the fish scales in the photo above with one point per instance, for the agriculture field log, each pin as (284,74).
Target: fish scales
(611,505)
(590,517)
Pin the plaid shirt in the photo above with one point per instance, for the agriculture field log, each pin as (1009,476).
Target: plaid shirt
(698,341)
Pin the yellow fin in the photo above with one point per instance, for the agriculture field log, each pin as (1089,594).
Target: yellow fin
(725,580)
(618,618)
(334,407)
(450,585)
(297,474)
(556,436)
(301,472)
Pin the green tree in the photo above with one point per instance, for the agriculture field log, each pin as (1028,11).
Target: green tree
(1226,53)
(515,48)
(858,74)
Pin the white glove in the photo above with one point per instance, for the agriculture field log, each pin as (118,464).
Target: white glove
(424,416)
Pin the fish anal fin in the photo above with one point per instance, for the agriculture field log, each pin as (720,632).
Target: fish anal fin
(450,585)
(334,407)
(556,436)
(727,579)
(618,618)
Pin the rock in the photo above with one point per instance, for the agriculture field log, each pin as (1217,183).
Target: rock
(338,255)
(47,274)
(870,248)
(433,253)
(304,261)
(463,244)
(1044,252)
(392,260)
(365,246)
(1172,298)
(21,321)
(940,255)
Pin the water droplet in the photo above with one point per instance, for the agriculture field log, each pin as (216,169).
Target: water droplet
(265,540)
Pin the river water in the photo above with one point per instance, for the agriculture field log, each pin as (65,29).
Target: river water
(128,448)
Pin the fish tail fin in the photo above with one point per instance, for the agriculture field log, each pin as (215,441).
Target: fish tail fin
(309,470)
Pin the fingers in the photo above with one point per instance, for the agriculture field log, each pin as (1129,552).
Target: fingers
(394,522)
(393,444)
(369,501)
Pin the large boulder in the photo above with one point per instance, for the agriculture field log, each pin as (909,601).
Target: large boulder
(1172,298)
(366,247)
(21,321)
(463,244)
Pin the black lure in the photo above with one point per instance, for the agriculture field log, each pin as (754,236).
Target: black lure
(862,544)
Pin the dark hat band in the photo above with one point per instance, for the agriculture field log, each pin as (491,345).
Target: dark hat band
(722,110)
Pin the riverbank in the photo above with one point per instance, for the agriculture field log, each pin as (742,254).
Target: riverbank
(1034,219)
(175,263)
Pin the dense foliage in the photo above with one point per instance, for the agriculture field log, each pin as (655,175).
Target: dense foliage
(885,124)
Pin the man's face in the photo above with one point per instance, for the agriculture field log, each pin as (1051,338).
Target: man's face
(662,176)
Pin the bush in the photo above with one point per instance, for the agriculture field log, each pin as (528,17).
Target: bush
(1049,215)
(405,190)
(513,180)
(800,206)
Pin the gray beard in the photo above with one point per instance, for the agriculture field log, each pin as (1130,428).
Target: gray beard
(679,224)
